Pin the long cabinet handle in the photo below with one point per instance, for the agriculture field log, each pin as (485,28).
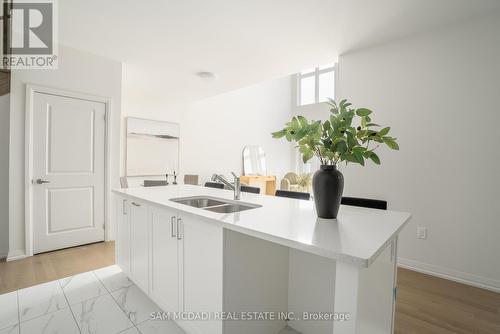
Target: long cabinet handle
(179,228)
(124,206)
(135,204)
(172,228)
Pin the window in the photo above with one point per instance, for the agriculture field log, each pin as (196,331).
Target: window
(316,85)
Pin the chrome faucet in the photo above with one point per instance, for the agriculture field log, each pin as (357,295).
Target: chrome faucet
(236,187)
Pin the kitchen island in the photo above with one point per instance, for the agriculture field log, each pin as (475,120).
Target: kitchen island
(277,258)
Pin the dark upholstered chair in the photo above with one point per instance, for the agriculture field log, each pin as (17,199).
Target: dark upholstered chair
(214,185)
(249,189)
(364,202)
(293,194)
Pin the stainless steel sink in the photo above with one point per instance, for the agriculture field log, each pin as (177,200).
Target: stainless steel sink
(230,208)
(198,202)
(218,205)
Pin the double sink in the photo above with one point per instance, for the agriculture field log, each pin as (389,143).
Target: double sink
(214,204)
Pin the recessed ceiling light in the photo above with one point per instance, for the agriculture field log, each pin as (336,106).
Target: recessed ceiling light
(206,76)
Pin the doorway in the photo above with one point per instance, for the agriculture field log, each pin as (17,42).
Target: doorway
(66,197)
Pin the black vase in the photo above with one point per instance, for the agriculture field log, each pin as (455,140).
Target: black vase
(328,185)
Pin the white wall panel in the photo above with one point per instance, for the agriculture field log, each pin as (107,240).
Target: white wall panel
(439,92)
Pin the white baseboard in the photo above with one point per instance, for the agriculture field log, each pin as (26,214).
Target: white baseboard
(450,274)
(16,255)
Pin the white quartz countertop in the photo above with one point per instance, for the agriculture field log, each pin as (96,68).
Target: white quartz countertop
(357,236)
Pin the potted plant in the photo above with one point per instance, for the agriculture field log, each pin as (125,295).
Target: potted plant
(349,136)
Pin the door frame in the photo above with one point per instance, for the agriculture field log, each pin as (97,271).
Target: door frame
(28,191)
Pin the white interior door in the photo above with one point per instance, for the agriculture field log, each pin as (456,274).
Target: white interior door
(68,172)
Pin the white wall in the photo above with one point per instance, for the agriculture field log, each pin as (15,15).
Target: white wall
(215,130)
(79,72)
(4,175)
(440,93)
(141,101)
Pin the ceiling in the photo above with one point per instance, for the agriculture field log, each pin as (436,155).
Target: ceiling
(163,43)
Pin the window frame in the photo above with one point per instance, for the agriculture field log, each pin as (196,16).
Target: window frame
(316,73)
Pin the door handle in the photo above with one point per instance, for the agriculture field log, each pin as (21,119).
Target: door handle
(172,228)
(40,181)
(135,204)
(179,226)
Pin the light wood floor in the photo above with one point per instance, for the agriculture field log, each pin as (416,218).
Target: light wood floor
(430,305)
(55,265)
(425,304)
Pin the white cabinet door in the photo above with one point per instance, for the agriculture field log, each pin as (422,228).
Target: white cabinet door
(202,245)
(122,244)
(139,250)
(163,284)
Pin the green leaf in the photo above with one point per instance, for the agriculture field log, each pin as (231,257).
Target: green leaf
(358,152)
(372,124)
(363,122)
(384,131)
(362,133)
(362,112)
(359,149)
(391,142)
(279,134)
(349,157)
(330,155)
(334,109)
(341,147)
(327,143)
(302,120)
(303,148)
(359,158)
(306,156)
(337,140)
(301,134)
(351,140)
(345,105)
(334,121)
(374,158)
(315,127)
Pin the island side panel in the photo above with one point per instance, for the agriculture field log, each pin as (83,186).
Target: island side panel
(311,289)
(255,280)
(367,294)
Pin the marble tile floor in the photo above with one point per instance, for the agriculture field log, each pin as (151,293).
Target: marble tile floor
(102,301)
(288,330)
